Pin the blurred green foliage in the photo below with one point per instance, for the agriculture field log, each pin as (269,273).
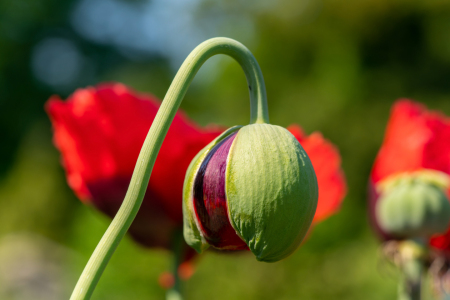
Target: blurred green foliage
(330,66)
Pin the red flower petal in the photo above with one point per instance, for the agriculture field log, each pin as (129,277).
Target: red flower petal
(441,242)
(415,138)
(327,165)
(100,131)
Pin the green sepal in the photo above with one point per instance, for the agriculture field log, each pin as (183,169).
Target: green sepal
(271,190)
(414,205)
(191,230)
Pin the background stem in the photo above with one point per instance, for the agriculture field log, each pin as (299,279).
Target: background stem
(144,165)
(175,292)
(445,296)
(412,266)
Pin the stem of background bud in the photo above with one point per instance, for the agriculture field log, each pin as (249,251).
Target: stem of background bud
(445,296)
(412,266)
(177,247)
(144,165)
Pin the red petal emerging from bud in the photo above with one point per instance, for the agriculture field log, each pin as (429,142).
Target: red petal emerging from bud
(210,200)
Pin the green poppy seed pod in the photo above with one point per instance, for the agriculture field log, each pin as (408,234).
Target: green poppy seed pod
(414,205)
(253,187)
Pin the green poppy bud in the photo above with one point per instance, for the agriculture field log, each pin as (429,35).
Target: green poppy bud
(253,187)
(414,205)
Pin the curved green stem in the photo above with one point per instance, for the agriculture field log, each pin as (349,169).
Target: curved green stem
(144,165)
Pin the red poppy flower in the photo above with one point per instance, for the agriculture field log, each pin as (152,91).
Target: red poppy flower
(327,165)
(100,131)
(415,139)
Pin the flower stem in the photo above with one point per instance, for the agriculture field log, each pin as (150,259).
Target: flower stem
(144,165)
(412,267)
(177,247)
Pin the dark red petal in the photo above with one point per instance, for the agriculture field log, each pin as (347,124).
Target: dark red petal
(210,201)
(326,161)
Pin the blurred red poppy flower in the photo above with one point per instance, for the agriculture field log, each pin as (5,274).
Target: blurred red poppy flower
(415,139)
(99,132)
(326,161)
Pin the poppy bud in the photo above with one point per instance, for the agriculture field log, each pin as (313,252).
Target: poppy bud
(414,205)
(254,188)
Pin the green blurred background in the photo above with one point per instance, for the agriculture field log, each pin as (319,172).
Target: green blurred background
(330,66)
